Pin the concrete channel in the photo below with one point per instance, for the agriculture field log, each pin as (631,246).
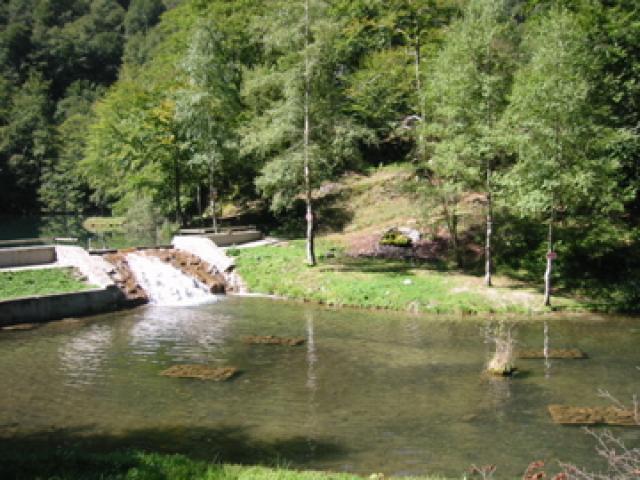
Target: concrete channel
(106,296)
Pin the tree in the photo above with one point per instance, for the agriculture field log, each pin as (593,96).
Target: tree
(142,15)
(383,44)
(62,188)
(133,150)
(207,108)
(466,94)
(566,163)
(26,140)
(296,126)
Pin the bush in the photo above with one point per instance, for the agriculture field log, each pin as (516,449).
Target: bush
(395,238)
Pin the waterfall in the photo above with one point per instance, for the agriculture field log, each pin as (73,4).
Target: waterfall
(166,285)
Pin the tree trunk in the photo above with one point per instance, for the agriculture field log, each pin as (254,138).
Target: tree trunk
(487,246)
(419,126)
(549,270)
(452,225)
(199,200)
(176,169)
(454,239)
(311,255)
(212,203)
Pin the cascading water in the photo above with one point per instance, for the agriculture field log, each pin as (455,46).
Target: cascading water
(166,285)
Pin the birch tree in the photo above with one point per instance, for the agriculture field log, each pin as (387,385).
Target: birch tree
(296,128)
(466,94)
(565,164)
(207,108)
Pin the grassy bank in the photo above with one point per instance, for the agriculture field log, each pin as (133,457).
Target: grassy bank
(375,283)
(26,283)
(135,465)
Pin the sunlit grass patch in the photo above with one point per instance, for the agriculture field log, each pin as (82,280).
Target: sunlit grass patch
(376,283)
(27,283)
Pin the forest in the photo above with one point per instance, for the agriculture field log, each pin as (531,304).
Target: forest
(180,107)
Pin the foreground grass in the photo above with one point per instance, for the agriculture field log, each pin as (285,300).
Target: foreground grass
(134,465)
(374,283)
(26,283)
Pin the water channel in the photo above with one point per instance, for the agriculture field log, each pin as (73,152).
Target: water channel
(368,392)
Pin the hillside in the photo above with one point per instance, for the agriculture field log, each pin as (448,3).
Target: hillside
(354,213)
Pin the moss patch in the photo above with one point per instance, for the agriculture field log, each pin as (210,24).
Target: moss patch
(569,415)
(201,372)
(272,340)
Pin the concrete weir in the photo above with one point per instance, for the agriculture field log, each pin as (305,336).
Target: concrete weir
(208,251)
(112,292)
(42,308)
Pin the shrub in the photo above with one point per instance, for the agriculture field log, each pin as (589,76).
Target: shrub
(395,238)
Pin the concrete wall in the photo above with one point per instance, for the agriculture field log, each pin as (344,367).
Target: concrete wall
(44,308)
(203,247)
(234,238)
(21,256)
(94,267)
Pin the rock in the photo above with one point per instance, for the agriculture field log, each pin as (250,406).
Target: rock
(411,233)
(201,372)
(502,371)
(273,340)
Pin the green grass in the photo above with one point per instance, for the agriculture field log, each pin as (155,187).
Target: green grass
(27,283)
(375,283)
(136,465)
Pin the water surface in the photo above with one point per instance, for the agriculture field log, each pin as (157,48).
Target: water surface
(369,392)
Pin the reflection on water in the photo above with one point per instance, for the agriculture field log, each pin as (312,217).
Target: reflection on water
(183,334)
(545,351)
(368,392)
(83,355)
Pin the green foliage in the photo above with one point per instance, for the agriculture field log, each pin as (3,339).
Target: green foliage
(65,464)
(26,142)
(465,95)
(395,238)
(380,93)
(142,15)
(565,164)
(142,221)
(207,108)
(274,93)
(211,93)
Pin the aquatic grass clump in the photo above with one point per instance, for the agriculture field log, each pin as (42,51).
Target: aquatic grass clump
(502,362)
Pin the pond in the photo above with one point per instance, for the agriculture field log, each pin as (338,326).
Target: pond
(368,392)
(72,226)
